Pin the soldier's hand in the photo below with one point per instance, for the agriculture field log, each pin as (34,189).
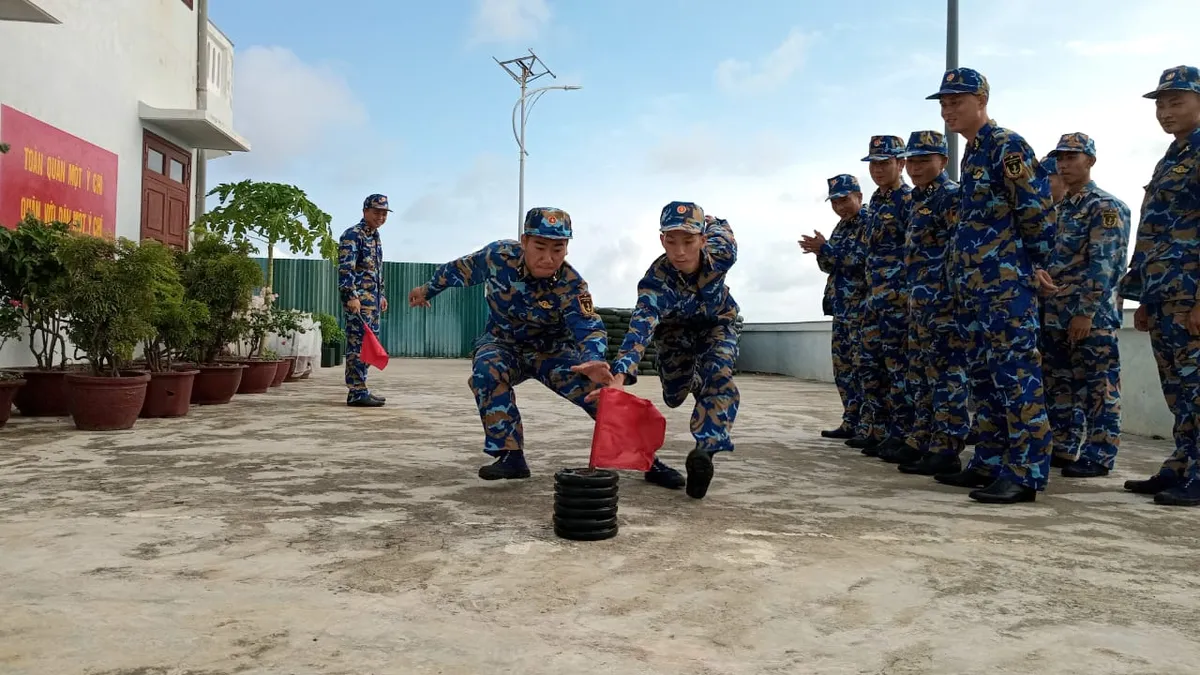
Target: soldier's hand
(1079,328)
(812,244)
(416,297)
(354,306)
(596,371)
(1193,321)
(1045,283)
(383,304)
(615,382)
(1141,320)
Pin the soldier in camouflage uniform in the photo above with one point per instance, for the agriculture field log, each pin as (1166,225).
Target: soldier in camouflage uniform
(886,412)
(994,265)
(360,284)
(1164,278)
(541,324)
(1080,360)
(843,258)
(1058,189)
(685,307)
(937,368)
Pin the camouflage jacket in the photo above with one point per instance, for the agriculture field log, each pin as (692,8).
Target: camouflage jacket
(1093,238)
(360,264)
(886,230)
(843,258)
(934,217)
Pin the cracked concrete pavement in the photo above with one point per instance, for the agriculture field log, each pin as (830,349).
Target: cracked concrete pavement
(286,533)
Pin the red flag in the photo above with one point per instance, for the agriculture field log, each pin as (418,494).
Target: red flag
(629,431)
(372,353)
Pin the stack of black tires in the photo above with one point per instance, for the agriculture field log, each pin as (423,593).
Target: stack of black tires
(585,504)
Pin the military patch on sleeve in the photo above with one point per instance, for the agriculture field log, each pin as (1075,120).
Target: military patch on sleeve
(1014,165)
(585,304)
(1110,218)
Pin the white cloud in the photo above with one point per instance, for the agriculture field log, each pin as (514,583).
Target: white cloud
(772,72)
(508,20)
(289,109)
(703,150)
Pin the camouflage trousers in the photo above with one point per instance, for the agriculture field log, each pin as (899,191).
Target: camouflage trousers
(356,370)
(1083,394)
(845,347)
(497,368)
(937,386)
(1006,382)
(699,361)
(1177,353)
(885,411)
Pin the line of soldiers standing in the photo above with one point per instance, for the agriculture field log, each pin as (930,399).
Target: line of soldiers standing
(1004,293)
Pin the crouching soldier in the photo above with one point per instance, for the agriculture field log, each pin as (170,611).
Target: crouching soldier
(540,324)
(684,305)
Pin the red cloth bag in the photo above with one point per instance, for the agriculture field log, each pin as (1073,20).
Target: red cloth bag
(372,352)
(629,431)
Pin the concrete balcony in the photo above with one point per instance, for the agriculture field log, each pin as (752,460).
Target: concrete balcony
(220,76)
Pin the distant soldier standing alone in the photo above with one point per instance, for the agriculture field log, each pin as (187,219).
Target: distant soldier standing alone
(360,284)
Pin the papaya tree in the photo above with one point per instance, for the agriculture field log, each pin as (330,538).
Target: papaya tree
(259,212)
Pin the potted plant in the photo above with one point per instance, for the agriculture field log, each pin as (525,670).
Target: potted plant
(175,319)
(11,322)
(109,298)
(31,272)
(260,369)
(221,276)
(286,324)
(333,340)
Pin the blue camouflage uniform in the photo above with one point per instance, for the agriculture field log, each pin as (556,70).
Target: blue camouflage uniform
(1006,230)
(843,258)
(691,318)
(937,381)
(1083,380)
(1164,277)
(536,328)
(360,275)
(886,413)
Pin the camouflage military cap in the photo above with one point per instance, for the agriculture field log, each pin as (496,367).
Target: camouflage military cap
(884,148)
(962,81)
(926,143)
(841,185)
(1049,165)
(1075,142)
(681,216)
(547,222)
(376,201)
(1179,78)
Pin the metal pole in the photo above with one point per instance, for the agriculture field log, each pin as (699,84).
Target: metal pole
(951,63)
(521,188)
(200,168)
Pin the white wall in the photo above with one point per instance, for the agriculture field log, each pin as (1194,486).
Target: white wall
(802,350)
(87,75)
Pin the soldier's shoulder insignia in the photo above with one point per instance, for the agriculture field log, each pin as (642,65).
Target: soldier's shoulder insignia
(1179,168)
(1014,164)
(1110,217)
(545,304)
(925,210)
(886,215)
(585,304)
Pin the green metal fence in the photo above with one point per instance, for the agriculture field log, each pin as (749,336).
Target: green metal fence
(446,330)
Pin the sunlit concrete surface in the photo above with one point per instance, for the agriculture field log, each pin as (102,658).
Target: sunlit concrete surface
(286,533)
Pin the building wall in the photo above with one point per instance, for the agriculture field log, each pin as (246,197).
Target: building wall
(87,75)
(802,350)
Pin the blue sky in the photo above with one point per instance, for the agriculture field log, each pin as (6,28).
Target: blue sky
(744,108)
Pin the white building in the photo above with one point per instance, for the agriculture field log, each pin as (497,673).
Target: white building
(107,126)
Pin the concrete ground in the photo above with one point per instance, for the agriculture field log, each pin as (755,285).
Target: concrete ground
(285,533)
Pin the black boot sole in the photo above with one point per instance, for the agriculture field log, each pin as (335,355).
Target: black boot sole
(699,473)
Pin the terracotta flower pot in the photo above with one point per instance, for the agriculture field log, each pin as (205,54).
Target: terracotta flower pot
(169,393)
(258,376)
(44,393)
(285,369)
(216,383)
(8,390)
(106,403)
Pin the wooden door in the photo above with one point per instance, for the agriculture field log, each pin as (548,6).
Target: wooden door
(166,188)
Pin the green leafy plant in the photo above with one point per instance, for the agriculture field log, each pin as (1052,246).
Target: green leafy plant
(270,354)
(222,276)
(331,332)
(32,272)
(109,297)
(12,320)
(4,148)
(176,318)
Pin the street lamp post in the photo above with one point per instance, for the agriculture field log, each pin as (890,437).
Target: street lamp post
(525,105)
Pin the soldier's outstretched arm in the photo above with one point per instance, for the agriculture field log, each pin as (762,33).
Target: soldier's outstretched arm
(642,323)
(468,270)
(721,244)
(347,258)
(1029,194)
(1108,236)
(585,324)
